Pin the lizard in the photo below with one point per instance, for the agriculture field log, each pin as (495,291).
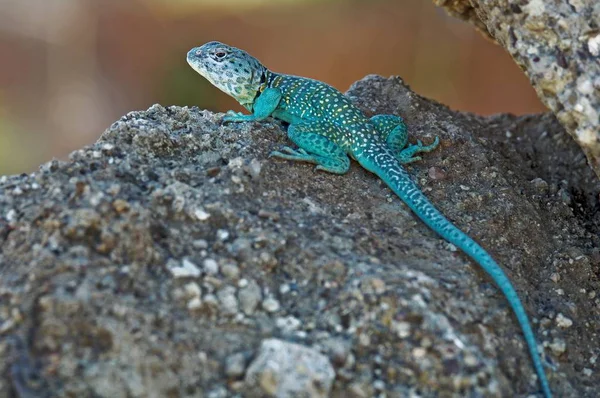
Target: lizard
(329,130)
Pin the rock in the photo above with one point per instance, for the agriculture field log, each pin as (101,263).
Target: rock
(282,369)
(192,290)
(88,287)
(200,244)
(558,346)
(254,168)
(230,271)
(288,324)
(270,304)
(563,322)
(187,269)
(201,215)
(540,185)
(210,266)
(228,300)
(235,365)
(250,296)
(557,44)
(195,303)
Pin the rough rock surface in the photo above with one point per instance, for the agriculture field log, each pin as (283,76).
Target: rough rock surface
(286,369)
(557,44)
(159,260)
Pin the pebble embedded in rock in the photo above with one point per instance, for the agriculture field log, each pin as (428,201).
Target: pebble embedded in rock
(270,304)
(436,173)
(249,296)
(236,163)
(558,346)
(187,269)
(222,234)
(262,213)
(235,365)
(254,168)
(337,349)
(200,244)
(194,303)
(540,185)
(210,266)
(288,324)
(228,300)
(192,290)
(402,329)
(201,215)
(563,322)
(231,271)
(419,352)
(285,370)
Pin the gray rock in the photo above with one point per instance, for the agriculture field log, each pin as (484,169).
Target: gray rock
(86,284)
(557,44)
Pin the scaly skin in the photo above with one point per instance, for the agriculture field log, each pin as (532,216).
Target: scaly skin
(328,128)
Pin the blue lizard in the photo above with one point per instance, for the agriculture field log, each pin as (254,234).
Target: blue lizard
(327,128)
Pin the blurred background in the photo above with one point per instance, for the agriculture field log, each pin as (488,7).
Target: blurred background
(69,68)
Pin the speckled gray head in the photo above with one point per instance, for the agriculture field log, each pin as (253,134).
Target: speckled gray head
(233,71)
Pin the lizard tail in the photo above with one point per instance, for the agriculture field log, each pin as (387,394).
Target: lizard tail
(379,160)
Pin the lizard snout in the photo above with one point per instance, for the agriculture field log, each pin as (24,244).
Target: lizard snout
(194,53)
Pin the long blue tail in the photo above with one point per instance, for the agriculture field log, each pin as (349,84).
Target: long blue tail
(379,160)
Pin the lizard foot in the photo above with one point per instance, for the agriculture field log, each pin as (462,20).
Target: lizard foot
(293,154)
(406,155)
(232,116)
(293,151)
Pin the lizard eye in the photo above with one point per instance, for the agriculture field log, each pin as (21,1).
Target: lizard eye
(220,54)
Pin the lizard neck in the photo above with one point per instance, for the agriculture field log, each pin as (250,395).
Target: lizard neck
(262,79)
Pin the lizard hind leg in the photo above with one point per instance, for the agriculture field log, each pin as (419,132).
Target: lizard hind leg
(393,130)
(315,147)
(384,124)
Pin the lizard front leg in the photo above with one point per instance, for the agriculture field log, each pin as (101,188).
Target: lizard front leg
(262,108)
(315,147)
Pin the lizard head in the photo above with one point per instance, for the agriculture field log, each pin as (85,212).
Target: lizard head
(231,70)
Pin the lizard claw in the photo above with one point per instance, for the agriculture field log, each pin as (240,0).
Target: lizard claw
(232,116)
(291,154)
(293,151)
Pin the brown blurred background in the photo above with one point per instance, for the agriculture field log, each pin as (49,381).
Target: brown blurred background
(69,68)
